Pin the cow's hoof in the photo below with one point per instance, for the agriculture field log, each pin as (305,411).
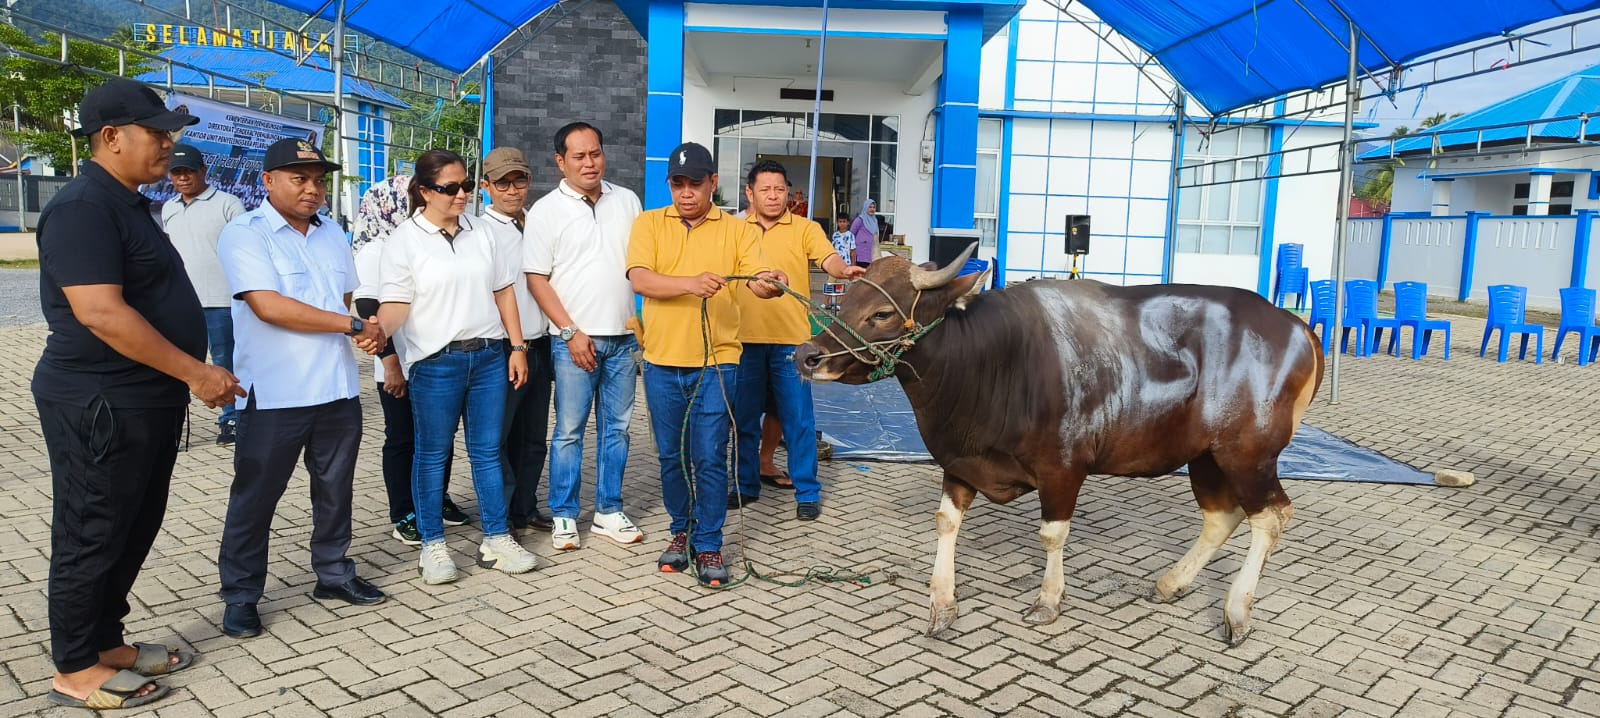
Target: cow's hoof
(940,618)
(1042,614)
(1167,594)
(1235,632)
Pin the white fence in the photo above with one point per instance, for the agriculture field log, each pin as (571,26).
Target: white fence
(1533,252)
(1429,250)
(1363,250)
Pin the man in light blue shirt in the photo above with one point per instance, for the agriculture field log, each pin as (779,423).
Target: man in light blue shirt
(291,274)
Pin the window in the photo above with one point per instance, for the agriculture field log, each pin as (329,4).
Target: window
(986,205)
(1560,197)
(1222,218)
(856,159)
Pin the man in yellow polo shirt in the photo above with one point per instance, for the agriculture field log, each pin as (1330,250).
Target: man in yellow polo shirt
(678,258)
(770,332)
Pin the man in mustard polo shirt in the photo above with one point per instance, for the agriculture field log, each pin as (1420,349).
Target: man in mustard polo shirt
(679,256)
(770,332)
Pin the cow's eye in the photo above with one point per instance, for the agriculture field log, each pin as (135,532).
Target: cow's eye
(882,317)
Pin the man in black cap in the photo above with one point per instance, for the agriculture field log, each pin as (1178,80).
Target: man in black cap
(679,259)
(126,348)
(291,275)
(194,219)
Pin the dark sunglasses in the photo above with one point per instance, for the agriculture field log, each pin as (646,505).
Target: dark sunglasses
(505,184)
(452,189)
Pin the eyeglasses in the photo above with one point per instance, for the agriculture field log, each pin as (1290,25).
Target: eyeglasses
(505,184)
(451,189)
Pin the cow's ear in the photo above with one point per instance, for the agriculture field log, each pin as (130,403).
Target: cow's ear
(968,287)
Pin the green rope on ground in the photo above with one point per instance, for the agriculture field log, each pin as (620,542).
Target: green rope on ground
(819,573)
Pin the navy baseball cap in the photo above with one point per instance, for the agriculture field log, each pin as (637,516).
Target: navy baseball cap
(187,157)
(691,160)
(125,102)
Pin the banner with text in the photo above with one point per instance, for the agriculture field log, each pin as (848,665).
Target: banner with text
(234,141)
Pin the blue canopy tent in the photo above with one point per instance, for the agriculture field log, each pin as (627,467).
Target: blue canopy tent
(1226,54)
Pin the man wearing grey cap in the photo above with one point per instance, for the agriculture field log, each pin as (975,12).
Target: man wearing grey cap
(194,219)
(125,351)
(291,275)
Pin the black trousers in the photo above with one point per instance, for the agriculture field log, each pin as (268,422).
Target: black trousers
(110,472)
(525,436)
(399,443)
(270,442)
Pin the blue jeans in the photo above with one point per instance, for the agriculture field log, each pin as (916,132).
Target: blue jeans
(613,382)
(676,395)
(764,367)
(219,331)
(446,388)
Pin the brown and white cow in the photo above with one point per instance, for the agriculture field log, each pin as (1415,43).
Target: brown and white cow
(1039,385)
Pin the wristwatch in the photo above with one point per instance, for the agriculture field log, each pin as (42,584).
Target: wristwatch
(519,347)
(567,333)
(356,326)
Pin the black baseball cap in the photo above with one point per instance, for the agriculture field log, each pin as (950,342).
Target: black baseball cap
(691,160)
(291,151)
(125,102)
(187,157)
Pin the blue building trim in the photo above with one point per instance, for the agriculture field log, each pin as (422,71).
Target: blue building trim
(1523,171)
(664,98)
(1269,213)
(1163,117)
(1580,247)
(801,32)
(1384,243)
(1003,206)
(1469,254)
(956,160)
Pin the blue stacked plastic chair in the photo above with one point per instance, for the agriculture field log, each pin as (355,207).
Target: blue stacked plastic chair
(1292,275)
(1577,316)
(1322,311)
(1411,310)
(1508,306)
(1361,314)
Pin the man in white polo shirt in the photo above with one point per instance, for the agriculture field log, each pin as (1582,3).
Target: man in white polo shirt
(525,433)
(291,274)
(194,219)
(574,256)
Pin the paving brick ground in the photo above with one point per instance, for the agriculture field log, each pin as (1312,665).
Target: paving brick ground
(1383,600)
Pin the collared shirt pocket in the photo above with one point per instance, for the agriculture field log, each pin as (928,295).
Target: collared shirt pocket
(294,277)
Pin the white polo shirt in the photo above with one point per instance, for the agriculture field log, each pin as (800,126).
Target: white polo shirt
(450,285)
(369,268)
(583,249)
(283,368)
(194,227)
(509,238)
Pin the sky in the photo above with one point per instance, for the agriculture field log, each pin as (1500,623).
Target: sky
(1476,92)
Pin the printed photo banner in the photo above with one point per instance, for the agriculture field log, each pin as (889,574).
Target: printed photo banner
(234,141)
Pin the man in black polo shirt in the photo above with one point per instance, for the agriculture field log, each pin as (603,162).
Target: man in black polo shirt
(126,348)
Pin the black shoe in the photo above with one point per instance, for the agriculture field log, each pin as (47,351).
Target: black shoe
(735,499)
(808,511)
(676,558)
(540,522)
(227,432)
(709,569)
(356,592)
(452,514)
(405,531)
(240,620)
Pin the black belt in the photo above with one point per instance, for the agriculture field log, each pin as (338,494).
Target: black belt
(468,345)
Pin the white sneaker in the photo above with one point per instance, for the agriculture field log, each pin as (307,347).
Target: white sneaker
(503,553)
(617,527)
(564,534)
(436,564)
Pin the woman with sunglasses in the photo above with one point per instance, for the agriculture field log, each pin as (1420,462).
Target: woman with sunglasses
(448,284)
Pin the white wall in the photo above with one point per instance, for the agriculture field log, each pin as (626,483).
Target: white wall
(1308,206)
(1492,192)
(914,198)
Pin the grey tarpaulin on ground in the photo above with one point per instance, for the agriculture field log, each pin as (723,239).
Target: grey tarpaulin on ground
(875,422)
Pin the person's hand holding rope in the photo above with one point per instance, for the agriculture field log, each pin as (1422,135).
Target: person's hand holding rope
(769,284)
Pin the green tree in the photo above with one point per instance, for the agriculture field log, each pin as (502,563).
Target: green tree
(457,118)
(47,94)
(1379,187)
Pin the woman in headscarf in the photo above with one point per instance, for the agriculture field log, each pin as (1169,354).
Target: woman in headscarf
(865,228)
(383,208)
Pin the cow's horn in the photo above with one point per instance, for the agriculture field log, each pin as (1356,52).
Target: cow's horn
(936,278)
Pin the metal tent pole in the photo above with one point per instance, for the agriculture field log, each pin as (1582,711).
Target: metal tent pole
(1342,232)
(816,114)
(338,108)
